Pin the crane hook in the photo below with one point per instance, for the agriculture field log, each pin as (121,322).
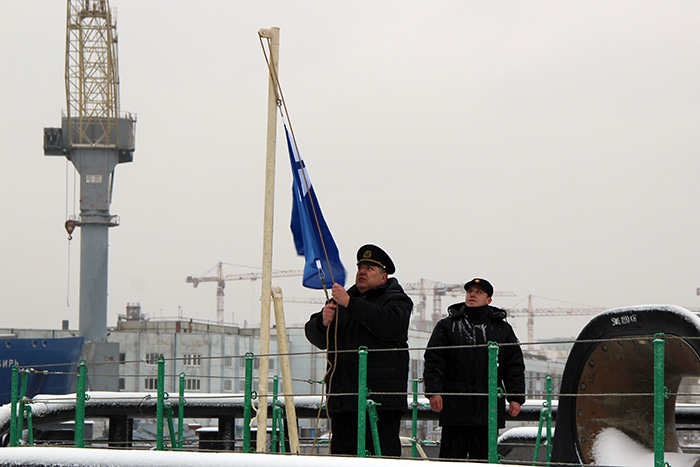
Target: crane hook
(70,227)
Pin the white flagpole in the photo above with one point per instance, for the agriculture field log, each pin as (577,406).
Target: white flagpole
(266,293)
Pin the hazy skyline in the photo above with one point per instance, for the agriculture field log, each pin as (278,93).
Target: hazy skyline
(551,147)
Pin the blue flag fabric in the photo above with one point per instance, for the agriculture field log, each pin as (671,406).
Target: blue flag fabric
(312,237)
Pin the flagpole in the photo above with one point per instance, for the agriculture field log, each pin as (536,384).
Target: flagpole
(266,293)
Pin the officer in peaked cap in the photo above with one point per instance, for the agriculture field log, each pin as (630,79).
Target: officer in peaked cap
(374,313)
(483,284)
(374,254)
(456,372)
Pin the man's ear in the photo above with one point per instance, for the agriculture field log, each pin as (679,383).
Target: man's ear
(488,302)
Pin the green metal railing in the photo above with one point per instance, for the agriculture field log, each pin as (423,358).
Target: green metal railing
(248,400)
(494,394)
(545,417)
(80,397)
(660,394)
(21,411)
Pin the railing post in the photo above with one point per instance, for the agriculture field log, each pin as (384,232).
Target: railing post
(659,399)
(181,412)
(24,377)
(373,417)
(160,383)
(275,436)
(414,427)
(545,415)
(30,428)
(362,402)
(549,419)
(13,406)
(168,408)
(248,397)
(493,402)
(79,434)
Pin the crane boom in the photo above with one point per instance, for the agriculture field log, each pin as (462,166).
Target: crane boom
(221,279)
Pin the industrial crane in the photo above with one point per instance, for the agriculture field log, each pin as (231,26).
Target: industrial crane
(220,280)
(94,137)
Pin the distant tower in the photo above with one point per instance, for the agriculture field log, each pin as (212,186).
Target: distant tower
(95,138)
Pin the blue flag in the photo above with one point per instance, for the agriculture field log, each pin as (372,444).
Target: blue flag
(312,238)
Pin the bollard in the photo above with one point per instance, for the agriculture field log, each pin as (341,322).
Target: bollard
(159,407)
(362,402)
(659,399)
(79,434)
(247,400)
(493,402)
(181,413)
(13,407)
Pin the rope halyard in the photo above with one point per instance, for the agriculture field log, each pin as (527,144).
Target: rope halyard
(282,106)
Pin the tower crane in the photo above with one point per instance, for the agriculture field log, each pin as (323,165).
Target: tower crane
(530,312)
(221,279)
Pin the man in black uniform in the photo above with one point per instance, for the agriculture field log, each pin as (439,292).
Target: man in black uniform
(374,313)
(464,370)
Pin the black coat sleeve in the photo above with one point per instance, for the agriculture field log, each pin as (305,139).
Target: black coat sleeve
(514,370)
(315,330)
(435,362)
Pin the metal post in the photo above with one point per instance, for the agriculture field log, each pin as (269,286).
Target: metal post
(549,418)
(373,417)
(275,436)
(159,406)
(168,408)
(79,434)
(493,402)
(414,427)
(362,402)
(247,400)
(659,399)
(30,429)
(181,413)
(13,407)
(24,376)
(538,439)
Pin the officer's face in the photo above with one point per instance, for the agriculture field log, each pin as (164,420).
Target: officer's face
(477,297)
(369,276)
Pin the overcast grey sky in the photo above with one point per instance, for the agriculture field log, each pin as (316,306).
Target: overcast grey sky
(551,147)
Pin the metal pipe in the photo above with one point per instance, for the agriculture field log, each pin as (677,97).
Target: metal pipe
(159,407)
(493,402)
(659,399)
(13,407)
(247,400)
(79,433)
(362,402)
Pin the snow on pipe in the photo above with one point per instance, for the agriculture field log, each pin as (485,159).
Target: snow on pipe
(614,356)
(50,456)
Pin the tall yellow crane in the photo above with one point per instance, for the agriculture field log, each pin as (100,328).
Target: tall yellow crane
(221,279)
